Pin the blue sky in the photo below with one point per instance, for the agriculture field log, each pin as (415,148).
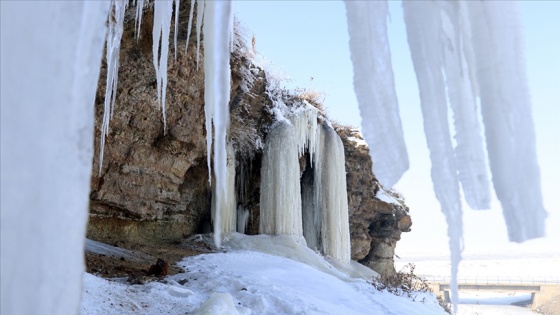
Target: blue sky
(308,41)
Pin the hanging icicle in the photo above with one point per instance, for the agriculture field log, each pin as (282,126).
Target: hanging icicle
(162,25)
(218,25)
(114,35)
(375,88)
(506,110)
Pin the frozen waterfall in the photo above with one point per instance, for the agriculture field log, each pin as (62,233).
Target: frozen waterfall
(280,199)
(313,204)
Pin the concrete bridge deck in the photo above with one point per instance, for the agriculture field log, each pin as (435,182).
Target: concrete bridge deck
(540,292)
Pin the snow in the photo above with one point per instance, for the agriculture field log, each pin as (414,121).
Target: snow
(386,197)
(256,282)
(375,88)
(50,63)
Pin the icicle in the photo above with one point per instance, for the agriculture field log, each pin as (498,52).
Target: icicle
(242,219)
(162,25)
(506,110)
(375,88)
(114,35)
(199,17)
(189,27)
(331,200)
(217,29)
(423,24)
(227,210)
(280,200)
(304,119)
(138,19)
(469,152)
(176,26)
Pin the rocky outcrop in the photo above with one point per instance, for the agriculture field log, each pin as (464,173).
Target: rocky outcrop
(377,217)
(153,185)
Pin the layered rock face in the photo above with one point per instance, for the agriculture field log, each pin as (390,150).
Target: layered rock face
(153,185)
(377,217)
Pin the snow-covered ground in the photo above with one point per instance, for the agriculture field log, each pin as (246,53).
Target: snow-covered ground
(255,275)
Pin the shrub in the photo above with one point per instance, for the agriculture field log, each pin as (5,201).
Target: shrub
(406,283)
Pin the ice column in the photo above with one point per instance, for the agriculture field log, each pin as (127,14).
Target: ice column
(280,199)
(51,58)
(227,210)
(375,88)
(331,199)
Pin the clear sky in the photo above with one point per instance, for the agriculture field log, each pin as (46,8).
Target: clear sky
(307,41)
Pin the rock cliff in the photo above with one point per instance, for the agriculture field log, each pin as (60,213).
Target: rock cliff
(153,185)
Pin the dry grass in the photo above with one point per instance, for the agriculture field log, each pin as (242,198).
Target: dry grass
(406,283)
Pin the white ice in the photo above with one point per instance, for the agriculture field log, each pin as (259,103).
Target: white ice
(160,50)
(506,110)
(50,63)
(375,88)
(114,35)
(423,24)
(280,200)
(218,25)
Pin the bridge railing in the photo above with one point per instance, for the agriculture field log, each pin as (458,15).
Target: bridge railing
(485,280)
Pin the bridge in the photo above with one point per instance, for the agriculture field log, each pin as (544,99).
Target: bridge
(541,290)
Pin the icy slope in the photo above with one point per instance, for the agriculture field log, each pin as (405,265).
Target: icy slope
(258,283)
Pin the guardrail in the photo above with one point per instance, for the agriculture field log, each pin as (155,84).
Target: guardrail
(492,280)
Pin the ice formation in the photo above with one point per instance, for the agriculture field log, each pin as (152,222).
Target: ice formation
(218,25)
(114,34)
(506,112)
(280,201)
(313,204)
(224,215)
(161,29)
(464,53)
(51,60)
(375,89)
(330,196)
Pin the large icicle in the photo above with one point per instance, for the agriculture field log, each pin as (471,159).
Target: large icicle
(114,35)
(469,152)
(375,88)
(280,201)
(226,210)
(423,24)
(51,60)
(331,200)
(506,110)
(138,19)
(161,29)
(218,26)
